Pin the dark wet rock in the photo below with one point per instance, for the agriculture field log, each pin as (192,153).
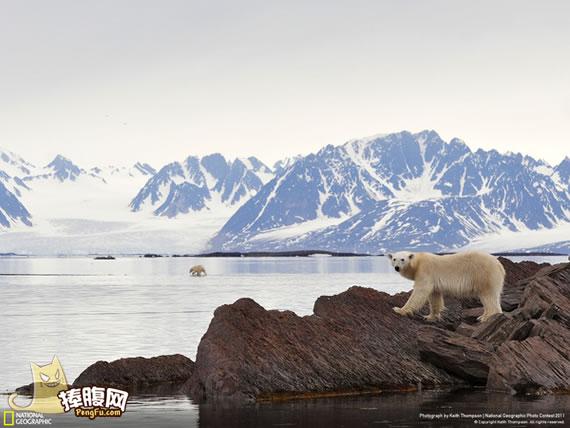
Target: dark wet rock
(511,297)
(535,365)
(462,356)
(517,271)
(26,389)
(165,374)
(501,328)
(470,315)
(548,295)
(354,342)
(517,276)
(465,329)
(534,351)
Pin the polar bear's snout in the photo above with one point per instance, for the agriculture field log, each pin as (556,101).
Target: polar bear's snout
(400,260)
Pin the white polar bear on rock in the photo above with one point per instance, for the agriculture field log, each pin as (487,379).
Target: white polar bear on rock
(468,274)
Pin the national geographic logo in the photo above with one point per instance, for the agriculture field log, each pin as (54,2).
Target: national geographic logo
(8,418)
(12,418)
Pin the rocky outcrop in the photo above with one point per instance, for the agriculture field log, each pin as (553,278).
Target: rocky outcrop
(516,275)
(354,342)
(462,356)
(537,359)
(538,364)
(529,347)
(165,374)
(518,271)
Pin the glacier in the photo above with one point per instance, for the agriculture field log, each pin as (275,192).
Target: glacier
(62,208)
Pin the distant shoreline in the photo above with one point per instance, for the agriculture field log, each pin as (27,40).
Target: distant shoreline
(234,254)
(299,253)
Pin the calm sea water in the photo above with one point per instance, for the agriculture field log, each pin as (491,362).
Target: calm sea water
(85,310)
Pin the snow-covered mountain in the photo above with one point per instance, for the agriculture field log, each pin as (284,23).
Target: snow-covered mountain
(65,208)
(283,164)
(210,183)
(386,192)
(399,191)
(12,210)
(561,174)
(110,172)
(13,164)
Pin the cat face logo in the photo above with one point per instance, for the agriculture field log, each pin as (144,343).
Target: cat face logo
(51,375)
(49,380)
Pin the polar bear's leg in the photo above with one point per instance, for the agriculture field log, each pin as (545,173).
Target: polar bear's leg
(417,300)
(491,305)
(435,306)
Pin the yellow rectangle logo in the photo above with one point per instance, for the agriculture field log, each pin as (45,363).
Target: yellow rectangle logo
(8,418)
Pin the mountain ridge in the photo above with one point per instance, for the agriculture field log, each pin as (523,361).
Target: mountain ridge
(198,183)
(400,190)
(367,195)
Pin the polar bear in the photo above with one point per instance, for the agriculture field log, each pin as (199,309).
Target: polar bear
(197,270)
(467,274)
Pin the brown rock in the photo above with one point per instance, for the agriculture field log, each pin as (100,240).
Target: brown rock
(511,297)
(462,356)
(354,342)
(534,356)
(164,374)
(548,295)
(535,365)
(27,390)
(517,271)
(465,329)
(501,328)
(470,315)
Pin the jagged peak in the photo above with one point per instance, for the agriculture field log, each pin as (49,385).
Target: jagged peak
(60,161)
(15,159)
(427,134)
(144,168)
(256,164)
(564,163)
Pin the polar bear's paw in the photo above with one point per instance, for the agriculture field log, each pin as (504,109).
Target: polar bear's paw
(432,317)
(399,311)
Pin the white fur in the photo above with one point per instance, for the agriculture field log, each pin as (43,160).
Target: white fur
(468,274)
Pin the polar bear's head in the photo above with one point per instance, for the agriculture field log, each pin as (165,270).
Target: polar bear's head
(400,260)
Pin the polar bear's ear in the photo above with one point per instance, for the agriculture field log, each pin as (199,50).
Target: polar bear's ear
(389,256)
(411,256)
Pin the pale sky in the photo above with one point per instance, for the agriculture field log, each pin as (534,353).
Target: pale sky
(114,81)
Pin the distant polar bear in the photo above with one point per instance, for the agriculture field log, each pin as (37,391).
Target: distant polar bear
(468,274)
(197,270)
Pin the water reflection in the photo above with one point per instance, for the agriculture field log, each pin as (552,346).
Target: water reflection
(389,410)
(402,410)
